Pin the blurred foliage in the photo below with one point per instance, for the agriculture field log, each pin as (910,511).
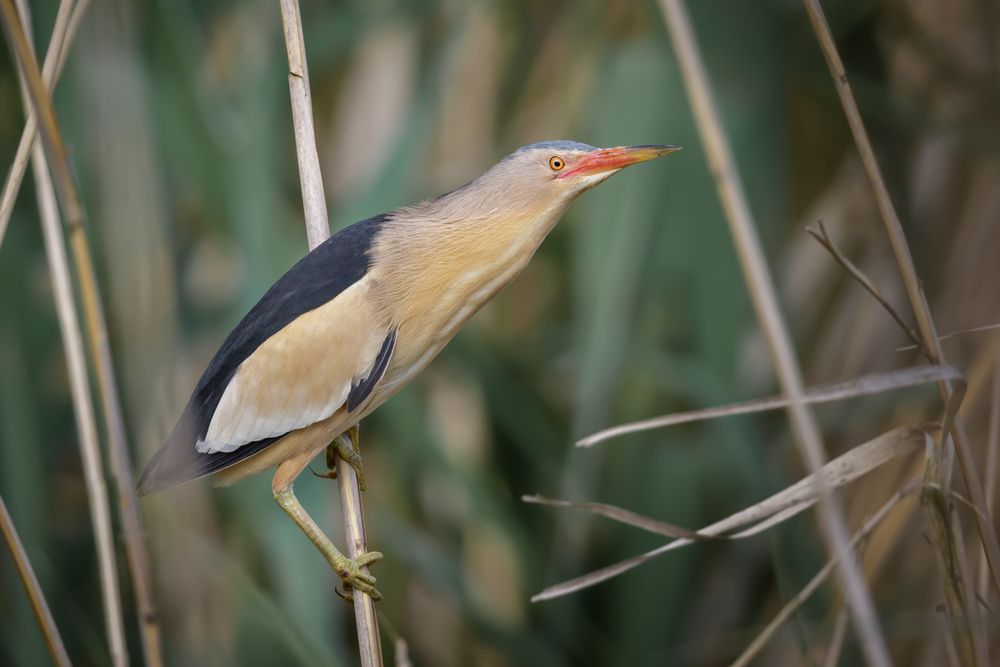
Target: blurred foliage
(177,119)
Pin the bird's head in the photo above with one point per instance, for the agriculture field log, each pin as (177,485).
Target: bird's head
(569,167)
(540,180)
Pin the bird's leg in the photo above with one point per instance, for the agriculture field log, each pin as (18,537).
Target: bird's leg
(349,570)
(345,446)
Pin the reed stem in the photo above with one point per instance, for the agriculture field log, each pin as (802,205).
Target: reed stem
(34,590)
(317,231)
(765,301)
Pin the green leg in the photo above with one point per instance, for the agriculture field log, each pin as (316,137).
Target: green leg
(349,570)
(345,446)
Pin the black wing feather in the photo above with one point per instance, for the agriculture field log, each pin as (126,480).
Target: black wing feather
(363,389)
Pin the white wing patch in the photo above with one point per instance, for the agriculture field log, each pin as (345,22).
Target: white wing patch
(299,376)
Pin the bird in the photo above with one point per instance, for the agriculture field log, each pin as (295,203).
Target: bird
(358,317)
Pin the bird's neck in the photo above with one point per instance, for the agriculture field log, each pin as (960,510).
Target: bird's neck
(433,272)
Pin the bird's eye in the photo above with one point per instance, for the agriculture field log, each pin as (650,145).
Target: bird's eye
(556,163)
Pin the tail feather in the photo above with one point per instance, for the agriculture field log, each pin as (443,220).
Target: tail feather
(178,461)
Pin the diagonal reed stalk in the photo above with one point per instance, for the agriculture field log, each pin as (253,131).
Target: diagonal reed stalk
(33,90)
(823,238)
(31,586)
(866,385)
(317,231)
(751,651)
(100,351)
(908,272)
(64,30)
(752,520)
(762,293)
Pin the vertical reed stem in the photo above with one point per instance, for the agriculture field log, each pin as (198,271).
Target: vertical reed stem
(34,90)
(121,464)
(317,231)
(762,293)
(992,461)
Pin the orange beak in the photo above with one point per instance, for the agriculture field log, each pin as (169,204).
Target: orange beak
(612,159)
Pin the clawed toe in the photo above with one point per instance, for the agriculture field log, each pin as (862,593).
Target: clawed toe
(356,580)
(369,558)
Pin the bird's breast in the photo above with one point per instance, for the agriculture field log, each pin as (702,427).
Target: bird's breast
(429,295)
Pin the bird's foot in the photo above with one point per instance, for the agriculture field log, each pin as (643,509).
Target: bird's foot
(345,447)
(353,578)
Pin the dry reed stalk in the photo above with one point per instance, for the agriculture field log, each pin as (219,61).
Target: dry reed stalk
(945,554)
(974,625)
(317,231)
(762,293)
(752,520)
(97,490)
(31,586)
(121,464)
(751,651)
(837,637)
(866,385)
(911,282)
(34,90)
(992,452)
(63,31)
(945,527)
(824,240)
(954,334)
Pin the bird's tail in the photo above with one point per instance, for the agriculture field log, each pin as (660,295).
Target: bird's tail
(178,461)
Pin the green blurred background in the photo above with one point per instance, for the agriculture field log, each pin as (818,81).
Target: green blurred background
(176,115)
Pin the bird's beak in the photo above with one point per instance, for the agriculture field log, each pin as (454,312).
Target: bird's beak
(613,159)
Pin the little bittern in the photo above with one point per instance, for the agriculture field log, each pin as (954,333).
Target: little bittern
(358,317)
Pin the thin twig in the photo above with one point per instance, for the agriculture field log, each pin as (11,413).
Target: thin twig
(865,385)
(34,90)
(955,334)
(121,464)
(622,515)
(317,231)
(762,293)
(914,290)
(792,605)
(824,240)
(31,586)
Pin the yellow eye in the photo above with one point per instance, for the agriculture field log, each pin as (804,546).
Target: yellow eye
(556,163)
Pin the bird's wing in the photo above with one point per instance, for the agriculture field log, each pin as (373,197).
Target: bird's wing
(312,344)
(300,375)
